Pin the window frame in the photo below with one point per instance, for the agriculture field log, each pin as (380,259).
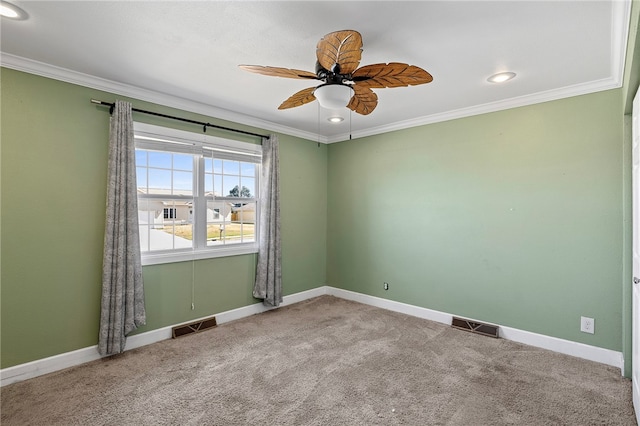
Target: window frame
(164,139)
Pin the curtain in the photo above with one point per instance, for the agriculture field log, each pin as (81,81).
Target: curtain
(122,308)
(268,285)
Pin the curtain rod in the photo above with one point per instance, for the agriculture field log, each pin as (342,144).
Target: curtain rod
(202,123)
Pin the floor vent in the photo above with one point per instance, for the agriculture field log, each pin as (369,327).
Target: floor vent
(193,327)
(475,327)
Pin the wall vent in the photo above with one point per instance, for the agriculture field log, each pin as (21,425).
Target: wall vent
(475,327)
(194,327)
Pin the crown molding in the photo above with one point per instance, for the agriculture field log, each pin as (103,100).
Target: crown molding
(620,17)
(536,98)
(620,21)
(42,69)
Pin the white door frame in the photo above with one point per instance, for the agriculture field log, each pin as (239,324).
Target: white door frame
(635,316)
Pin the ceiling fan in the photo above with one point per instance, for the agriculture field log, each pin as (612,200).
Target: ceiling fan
(344,83)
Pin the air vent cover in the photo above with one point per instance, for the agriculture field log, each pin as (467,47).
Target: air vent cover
(475,327)
(194,327)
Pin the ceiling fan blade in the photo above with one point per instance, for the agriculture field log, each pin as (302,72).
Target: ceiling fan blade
(300,98)
(394,74)
(340,47)
(363,101)
(279,72)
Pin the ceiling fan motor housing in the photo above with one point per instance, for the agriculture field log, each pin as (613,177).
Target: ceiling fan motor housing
(332,76)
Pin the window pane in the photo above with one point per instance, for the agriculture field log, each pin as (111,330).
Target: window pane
(245,218)
(248,169)
(141,158)
(217,166)
(165,224)
(225,233)
(218,211)
(208,184)
(217,185)
(182,162)
(237,180)
(228,224)
(160,159)
(182,183)
(230,167)
(159,181)
(231,186)
(144,219)
(208,165)
(248,187)
(218,216)
(141,178)
(248,232)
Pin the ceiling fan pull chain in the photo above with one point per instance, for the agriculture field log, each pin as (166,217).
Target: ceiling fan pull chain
(350,135)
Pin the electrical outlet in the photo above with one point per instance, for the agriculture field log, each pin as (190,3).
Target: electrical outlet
(386,286)
(587,325)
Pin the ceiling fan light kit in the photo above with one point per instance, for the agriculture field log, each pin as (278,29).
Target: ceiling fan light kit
(333,96)
(344,84)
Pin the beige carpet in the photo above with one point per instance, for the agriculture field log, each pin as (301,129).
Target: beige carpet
(327,361)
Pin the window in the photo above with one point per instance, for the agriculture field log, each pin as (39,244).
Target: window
(197,195)
(170,213)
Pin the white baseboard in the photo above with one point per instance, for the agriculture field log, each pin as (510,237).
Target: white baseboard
(48,365)
(69,359)
(580,350)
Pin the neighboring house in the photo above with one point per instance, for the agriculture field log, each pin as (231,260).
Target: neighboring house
(160,212)
(245,213)
(219,211)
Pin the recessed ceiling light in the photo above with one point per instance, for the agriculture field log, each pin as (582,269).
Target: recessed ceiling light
(501,77)
(11,11)
(335,119)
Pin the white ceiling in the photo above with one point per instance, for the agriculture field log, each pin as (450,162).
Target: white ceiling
(185,54)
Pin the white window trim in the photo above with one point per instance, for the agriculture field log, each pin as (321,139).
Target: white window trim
(159,258)
(155,134)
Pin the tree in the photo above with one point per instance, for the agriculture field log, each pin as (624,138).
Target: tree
(237,192)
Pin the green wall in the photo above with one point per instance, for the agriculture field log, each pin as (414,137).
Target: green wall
(629,88)
(53,180)
(513,217)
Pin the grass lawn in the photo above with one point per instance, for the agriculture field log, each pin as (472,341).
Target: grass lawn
(231,231)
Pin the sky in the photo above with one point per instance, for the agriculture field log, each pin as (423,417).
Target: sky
(174,171)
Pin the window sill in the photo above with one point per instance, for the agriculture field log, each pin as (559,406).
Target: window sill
(185,256)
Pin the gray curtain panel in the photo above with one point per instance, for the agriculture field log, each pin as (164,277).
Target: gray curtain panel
(122,287)
(268,285)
